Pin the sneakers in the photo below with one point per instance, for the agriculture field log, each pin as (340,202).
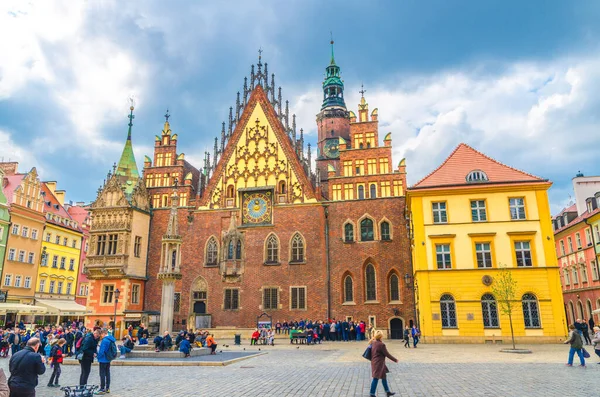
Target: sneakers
(569,365)
(53,385)
(122,356)
(99,392)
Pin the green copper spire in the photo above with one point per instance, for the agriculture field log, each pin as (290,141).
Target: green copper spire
(127,170)
(333,86)
(332,57)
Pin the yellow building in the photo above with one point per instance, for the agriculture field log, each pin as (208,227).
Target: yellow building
(469,217)
(61,249)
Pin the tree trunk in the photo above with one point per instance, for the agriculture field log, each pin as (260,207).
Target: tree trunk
(512,332)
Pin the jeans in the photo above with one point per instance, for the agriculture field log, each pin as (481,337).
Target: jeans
(579,353)
(104,376)
(55,374)
(597,351)
(415,340)
(374,385)
(86,367)
(345,335)
(124,350)
(14,349)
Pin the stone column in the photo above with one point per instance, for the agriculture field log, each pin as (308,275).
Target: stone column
(167,303)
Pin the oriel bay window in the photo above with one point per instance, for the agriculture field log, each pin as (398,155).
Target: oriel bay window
(112,244)
(101,245)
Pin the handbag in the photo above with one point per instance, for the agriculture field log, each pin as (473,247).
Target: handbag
(368,353)
(585,353)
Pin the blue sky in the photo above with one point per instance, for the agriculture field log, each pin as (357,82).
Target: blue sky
(517,80)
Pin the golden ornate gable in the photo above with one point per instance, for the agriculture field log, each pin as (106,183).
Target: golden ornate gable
(259,155)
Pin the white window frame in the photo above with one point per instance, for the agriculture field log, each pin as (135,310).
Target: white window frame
(516,207)
(8,280)
(34,234)
(27,282)
(21,257)
(25,231)
(446,256)
(31,258)
(520,250)
(442,213)
(15,229)
(42,287)
(18,278)
(486,254)
(12,254)
(52,285)
(478,212)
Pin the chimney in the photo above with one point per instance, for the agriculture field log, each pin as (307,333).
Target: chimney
(60,196)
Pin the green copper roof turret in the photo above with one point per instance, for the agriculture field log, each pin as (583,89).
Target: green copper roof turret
(333,87)
(127,170)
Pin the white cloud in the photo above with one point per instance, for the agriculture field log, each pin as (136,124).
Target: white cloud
(538,117)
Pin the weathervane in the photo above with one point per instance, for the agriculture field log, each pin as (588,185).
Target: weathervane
(260,51)
(167,115)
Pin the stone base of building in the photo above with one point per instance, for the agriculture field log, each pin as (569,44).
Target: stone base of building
(499,340)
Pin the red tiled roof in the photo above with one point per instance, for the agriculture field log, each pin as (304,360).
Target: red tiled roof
(577,220)
(12,183)
(53,206)
(464,159)
(571,208)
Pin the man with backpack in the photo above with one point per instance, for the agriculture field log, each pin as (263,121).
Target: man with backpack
(77,341)
(86,354)
(106,353)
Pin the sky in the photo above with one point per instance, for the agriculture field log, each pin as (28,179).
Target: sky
(519,81)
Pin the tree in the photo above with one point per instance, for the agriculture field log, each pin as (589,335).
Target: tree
(504,288)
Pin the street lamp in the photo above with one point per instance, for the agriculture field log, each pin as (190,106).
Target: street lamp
(117,293)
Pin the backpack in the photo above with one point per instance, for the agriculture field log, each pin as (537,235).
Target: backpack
(79,343)
(111,352)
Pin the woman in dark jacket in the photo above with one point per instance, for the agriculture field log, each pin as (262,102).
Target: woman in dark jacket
(378,368)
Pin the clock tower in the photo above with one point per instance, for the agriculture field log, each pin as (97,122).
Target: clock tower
(333,122)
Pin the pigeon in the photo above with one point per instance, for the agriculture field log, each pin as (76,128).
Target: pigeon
(220,351)
(244,348)
(259,349)
(297,347)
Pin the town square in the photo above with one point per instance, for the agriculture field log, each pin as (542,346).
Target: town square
(285,199)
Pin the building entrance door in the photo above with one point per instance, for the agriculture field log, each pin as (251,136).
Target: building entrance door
(396,329)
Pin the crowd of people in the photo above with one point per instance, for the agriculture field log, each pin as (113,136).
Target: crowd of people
(185,341)
(330,330)
(579,335)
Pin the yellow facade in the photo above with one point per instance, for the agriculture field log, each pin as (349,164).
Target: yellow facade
(57,273)
(466,279)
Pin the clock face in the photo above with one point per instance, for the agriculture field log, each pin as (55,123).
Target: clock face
(331,148)
(257,207)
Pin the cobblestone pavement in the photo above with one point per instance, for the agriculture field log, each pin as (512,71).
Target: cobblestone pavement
(338,370)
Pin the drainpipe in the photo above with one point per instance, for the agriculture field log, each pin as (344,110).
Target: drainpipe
(408,217)
(327,261)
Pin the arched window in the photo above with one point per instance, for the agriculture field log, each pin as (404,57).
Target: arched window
(230,191)
(573,314)
(370,287)
(348,289)
(580,312)
(212,250)
(348,232)
(489,309)
(272,249)
(282,187)
(173,259)
(297,248)
(589,309)
(394,287)
(373,191)
(385,231)
(366,230)
(531,312)
(448,310)
(477,176)
(361,192)
(238,250)
(230,250)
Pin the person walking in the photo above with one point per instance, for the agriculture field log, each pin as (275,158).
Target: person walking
(86,355)
(378,368)
(596,341)
(25,366)
(407,337)
(576,346)
(14,340)
(56,355)
(106,353)
(585,329)
(416,335)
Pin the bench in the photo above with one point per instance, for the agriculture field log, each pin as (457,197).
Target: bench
(298,337)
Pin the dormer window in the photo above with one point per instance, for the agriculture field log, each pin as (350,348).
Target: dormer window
(477,176)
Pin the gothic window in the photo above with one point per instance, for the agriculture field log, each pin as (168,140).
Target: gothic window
(173,259)
(489,310)
(361,192)
(101,245)
(297,248)
(448,310)
(212,250)
(370,287)
(348,232)
(177,302)
(282,187)
(394,287)
(238,250)
(348,289)
(531,313)
(385,231)
(272,249)
(230,250)
(366,230)
(373,191)
(230,191)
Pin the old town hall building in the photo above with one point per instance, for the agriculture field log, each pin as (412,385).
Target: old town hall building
(258,229)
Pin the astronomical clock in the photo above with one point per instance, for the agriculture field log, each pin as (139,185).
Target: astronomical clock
(257,207)
(331,148)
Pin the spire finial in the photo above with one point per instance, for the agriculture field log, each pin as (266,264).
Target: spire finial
(362,90)
(260,51)
(167,115)
(331,42)
(131,117)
